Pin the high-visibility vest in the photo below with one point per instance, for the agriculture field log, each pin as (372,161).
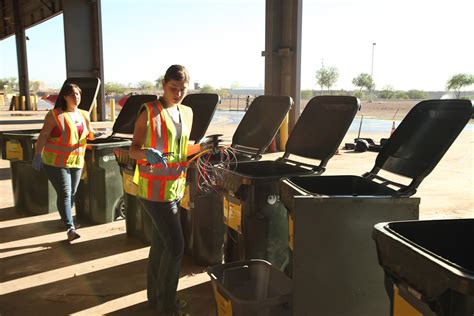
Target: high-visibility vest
(67,150)
(155,182)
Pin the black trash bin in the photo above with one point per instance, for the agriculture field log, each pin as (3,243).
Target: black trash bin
(253,135)
(256,220)
(32,192)
(99,197)
(250,288)
(138,223)
(429,266)
(330,218)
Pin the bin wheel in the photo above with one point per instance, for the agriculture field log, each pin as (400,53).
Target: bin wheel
(119,211)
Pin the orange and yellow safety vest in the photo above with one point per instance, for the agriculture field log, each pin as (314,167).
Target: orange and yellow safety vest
(67,150)
(155,182)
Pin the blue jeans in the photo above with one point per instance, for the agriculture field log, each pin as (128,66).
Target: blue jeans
(65,181)
(166,254)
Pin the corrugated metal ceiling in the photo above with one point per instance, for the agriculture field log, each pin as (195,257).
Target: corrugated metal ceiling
(32,12)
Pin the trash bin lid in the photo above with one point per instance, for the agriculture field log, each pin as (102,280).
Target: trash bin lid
(423,137)
(125,122)
(321,127)
(90,88)
(261,122)
(204,105)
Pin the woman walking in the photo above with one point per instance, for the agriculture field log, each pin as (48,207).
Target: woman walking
(60,150)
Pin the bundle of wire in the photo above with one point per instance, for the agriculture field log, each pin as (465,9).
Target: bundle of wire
(206,162)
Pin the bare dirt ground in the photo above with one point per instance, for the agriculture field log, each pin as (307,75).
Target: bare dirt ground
(104,272)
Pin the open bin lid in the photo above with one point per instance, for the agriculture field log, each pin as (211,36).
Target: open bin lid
(260,123)
(204,105)
(422,139)
(125,122)
(321,127)
(90,88)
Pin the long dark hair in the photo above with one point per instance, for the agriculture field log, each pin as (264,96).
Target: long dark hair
(67,89)
(177,72)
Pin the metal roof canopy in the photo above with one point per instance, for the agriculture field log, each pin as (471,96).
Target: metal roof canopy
(82,37)
(83,41)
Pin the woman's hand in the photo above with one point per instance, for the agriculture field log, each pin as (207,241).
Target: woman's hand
(37,163)
(154,156)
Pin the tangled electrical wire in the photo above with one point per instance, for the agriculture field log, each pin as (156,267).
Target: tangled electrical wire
(208,159)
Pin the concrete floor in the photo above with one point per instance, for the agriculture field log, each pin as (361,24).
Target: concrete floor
(103,272)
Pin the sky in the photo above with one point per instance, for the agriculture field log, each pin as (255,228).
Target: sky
(419,43)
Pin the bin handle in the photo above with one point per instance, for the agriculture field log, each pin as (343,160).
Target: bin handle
(403,190)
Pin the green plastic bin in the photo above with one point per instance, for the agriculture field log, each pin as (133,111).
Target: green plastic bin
(100,195)
(255,217)
(205,222)
(330,218)
(32,192)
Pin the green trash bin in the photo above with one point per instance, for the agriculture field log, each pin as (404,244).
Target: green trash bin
(330,218)
(251,288)
(204,208)
(429,266)
(138,223)
(256,220)
(32,192)
(99,197)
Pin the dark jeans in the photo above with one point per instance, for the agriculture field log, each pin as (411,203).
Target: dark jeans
(166,254)
(65,181)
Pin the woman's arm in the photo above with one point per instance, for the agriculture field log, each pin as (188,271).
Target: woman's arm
(49,124)
(136,151)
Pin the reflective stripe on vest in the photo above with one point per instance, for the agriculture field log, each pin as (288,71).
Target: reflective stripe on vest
(67,150)
(156,183)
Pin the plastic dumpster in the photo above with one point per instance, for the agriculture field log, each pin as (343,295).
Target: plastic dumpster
(32,192)
(257,225)
(250,288)
(99,197)
(204,209)
(330,218)
(429,266)
(138,223)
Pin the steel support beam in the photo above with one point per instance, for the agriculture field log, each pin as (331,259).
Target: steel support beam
(83,42)
(283,20)
(20,38)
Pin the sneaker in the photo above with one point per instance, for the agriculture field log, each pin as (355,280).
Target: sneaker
(72,234)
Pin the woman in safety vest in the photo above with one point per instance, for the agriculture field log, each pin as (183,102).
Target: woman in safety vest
(60,150)
(159,145)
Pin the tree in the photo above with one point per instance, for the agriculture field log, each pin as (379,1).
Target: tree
(8,84)
(207,89)
(387,93)
(36,85)
(159,82)
(364,80)
(416,94)
(327,77)
(114,88)
(457,82)
(145,85)
(401,95)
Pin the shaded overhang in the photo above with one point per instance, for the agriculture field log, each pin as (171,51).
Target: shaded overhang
(32,12)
